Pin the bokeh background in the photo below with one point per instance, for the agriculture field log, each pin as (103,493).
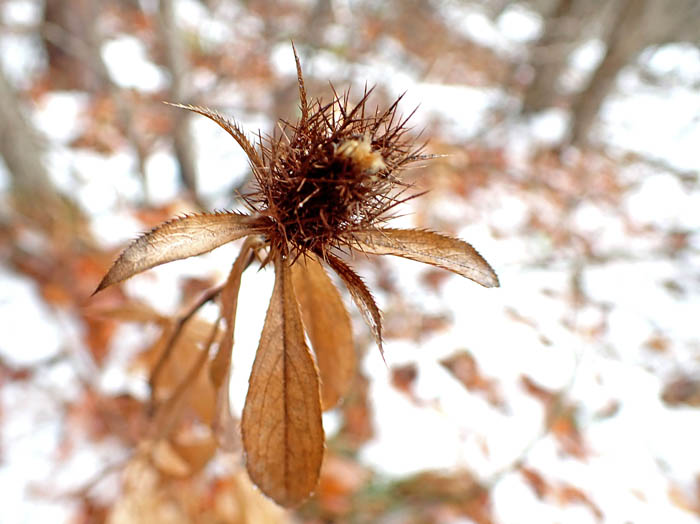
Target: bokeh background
(568,135)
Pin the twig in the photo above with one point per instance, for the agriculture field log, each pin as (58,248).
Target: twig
(207,296)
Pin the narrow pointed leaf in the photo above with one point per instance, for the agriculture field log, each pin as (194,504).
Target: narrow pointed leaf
(430,248)
(361,296)
(218,368)
(281,424)
(224,426)
(230,127)
(328,324)
(179,238)
(302,90)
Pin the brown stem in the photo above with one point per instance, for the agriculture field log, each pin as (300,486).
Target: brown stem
(207,296)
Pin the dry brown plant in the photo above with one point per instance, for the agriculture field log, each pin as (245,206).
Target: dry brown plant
(324,187)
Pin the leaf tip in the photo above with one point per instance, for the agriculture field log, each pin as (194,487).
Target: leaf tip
(492,280)
(104,283)
(99,288)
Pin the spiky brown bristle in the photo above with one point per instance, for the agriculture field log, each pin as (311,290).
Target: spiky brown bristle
(332,172)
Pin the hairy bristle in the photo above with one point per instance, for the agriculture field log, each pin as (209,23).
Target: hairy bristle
(333,172)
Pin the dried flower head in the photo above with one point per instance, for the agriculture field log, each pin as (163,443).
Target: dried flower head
(323,186)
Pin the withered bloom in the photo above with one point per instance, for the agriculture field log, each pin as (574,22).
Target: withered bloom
(323,187)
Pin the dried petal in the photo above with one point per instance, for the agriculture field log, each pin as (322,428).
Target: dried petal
(361,296)
(281,424)
(179,238)
(328,324)
(430,248)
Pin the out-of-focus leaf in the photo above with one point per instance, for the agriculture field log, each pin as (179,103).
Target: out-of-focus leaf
(328,324)
(357,415)
(224,425)
(536,481)
(560,417)
(341,478)
(132,311)
(430,248)
(200,395)
(362,297)
(281,424)
(682,390)
(562,492)
(236,500)
(404,378)
(167,460)
(565,428)
(464,368)
(229,303)
(196,452)
(179,238)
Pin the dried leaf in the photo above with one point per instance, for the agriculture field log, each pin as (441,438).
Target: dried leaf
(196,452)
(229,303)
(682,390)
(132,311)
(430,248)
(361,296)
(224,425)
(230,127)
(404,378)
(168,461)
(179,238)
(281,424)
(465,369)
(328,324)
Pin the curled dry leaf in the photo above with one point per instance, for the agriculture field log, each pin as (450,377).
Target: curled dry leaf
(430,248)
(327,322)
(281,424)
(180,238)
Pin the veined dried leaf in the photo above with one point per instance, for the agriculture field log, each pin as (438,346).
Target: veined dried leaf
(328,324)
(430,248)
(281,424)
(179,238)
(361,296)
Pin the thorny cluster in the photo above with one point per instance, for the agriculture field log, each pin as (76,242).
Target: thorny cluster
(324,186)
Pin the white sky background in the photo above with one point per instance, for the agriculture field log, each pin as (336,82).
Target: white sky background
(632,453)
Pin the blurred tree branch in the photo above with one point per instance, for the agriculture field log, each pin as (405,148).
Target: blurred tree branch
(23,149)
(176,63)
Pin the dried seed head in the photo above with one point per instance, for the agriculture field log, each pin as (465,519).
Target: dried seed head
(332,173)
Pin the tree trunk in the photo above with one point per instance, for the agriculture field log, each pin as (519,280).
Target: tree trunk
(23,149)
(549,57)
(626,40)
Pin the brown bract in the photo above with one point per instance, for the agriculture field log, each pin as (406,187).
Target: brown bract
(324,186)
